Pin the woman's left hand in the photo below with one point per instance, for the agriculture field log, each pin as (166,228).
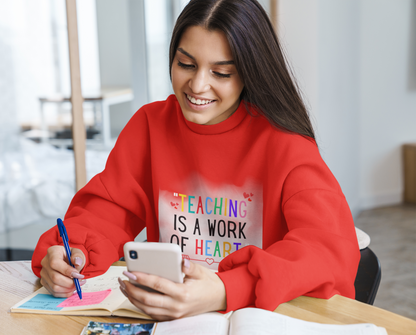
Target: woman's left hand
(202,291)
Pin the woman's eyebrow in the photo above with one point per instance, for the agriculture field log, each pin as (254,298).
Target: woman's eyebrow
(186,53)
(224,62)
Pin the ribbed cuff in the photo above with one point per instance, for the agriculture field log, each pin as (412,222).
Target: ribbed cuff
(240,287)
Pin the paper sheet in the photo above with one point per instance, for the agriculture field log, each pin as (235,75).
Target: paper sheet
(88,298)
(102,290)
(43,302)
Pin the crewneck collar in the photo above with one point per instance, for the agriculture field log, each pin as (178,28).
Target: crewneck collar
(231,122)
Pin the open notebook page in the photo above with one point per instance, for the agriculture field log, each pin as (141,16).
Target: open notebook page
(102,283)
(204,324)
(250,321)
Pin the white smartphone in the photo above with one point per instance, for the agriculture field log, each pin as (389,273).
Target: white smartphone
(160,259)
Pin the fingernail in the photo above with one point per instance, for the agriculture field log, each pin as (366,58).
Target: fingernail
(124,292)
(186,263)
(77,275)
(78,261)
(129,275)
(122,284)
(82,282)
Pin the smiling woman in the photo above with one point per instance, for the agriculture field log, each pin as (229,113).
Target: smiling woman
(204,77)
(274,223)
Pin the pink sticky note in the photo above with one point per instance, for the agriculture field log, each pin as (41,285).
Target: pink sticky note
(88,298)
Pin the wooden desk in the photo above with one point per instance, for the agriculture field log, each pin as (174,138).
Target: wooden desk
(17,281)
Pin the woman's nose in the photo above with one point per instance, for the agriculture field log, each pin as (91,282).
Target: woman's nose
(199,82)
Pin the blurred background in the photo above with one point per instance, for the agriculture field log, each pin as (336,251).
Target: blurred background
(354,60)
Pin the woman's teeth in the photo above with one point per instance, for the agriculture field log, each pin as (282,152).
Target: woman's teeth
(198,101)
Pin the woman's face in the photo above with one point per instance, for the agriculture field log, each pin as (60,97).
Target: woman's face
(204,77)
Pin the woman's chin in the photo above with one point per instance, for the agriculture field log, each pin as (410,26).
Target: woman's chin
(195,118)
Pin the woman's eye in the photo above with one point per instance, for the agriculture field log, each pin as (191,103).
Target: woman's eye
(222,75)
(191,66)
(185,66)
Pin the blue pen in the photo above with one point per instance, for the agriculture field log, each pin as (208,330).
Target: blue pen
(62,232)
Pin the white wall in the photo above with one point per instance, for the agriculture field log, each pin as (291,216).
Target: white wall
(88,45)
(352,61)
(116,55)
(322,48)
(298,33)
(158,33)
(388,102)
(113,43)
(338,92)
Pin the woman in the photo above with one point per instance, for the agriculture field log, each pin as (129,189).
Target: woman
(227,168)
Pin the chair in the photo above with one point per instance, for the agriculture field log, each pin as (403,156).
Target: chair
(368,277)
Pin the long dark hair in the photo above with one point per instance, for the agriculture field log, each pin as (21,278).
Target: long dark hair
(261,65)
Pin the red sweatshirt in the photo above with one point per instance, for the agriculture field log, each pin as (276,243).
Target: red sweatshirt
(256,203)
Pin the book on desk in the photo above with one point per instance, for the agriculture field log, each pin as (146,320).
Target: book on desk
(102,297)
(246,321)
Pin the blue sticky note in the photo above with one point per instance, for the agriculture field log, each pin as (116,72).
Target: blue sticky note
(44,302)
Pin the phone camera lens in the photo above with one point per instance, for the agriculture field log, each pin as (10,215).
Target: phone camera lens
(133,254)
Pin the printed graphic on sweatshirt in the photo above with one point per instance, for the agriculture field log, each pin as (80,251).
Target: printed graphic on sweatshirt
(211,223)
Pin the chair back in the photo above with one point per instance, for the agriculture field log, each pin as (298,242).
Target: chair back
(368,277)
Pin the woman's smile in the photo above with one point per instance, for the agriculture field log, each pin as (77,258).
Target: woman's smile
(198,101)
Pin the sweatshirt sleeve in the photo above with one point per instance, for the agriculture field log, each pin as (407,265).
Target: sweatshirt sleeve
(112,208)
(318,256)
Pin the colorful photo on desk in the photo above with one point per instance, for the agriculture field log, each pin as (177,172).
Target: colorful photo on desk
(94,328)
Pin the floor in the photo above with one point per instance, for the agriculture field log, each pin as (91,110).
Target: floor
(393,239)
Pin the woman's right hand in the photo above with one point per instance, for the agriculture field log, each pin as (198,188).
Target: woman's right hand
(57,276)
